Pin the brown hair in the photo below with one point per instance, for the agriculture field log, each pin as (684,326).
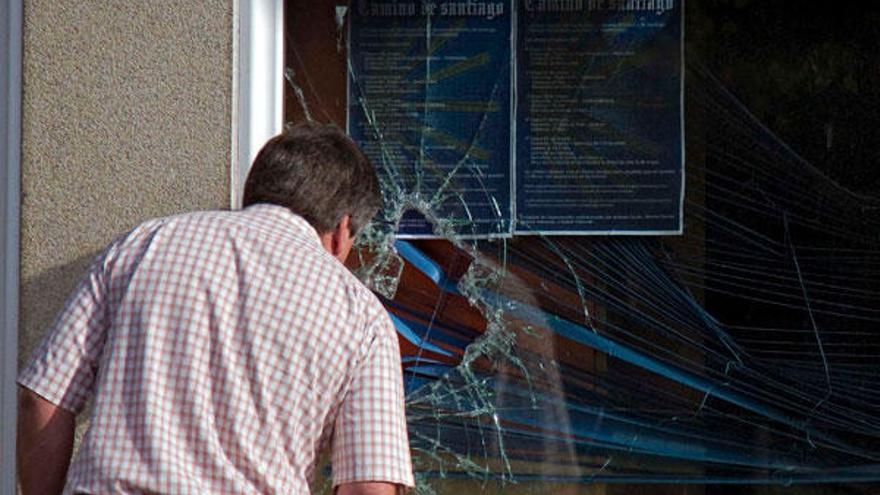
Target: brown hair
(318,173)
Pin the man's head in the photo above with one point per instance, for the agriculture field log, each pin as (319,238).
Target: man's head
(318,173)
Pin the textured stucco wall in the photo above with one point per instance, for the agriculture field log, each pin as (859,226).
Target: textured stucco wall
(126,113)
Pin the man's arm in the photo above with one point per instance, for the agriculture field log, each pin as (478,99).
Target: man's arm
(370,442)
(44,443)
(369,488)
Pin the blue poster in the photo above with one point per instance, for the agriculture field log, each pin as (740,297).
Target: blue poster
(595,145)
(599,124)
(430,104)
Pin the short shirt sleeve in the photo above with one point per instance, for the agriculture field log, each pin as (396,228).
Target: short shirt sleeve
(62,369)
(370,440)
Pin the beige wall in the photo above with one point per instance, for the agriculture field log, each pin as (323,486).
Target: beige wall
(126,114)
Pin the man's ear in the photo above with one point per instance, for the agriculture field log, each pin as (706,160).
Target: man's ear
(339,241)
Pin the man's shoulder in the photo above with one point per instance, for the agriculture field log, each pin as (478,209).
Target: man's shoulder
(277,232)
(189,217)
(191,220)
(158,230)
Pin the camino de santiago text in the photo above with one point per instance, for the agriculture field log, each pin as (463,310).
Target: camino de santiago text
(658,6)
(489,10)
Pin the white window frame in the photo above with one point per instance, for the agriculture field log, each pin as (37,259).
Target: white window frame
(10,178)
(258,84)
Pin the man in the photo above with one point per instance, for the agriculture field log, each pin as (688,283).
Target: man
(224,350)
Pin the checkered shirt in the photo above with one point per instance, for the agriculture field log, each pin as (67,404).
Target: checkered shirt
(224,351)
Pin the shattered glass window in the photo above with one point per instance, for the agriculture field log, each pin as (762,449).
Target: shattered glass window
(741,352)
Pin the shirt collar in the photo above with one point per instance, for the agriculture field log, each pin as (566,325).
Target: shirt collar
(281,214)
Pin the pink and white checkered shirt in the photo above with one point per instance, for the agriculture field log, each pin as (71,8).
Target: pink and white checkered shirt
(224,351)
